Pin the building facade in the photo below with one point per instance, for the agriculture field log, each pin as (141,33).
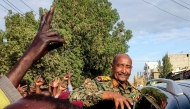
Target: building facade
(150,70)
(179,61)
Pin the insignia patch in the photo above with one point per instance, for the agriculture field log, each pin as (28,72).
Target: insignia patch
(103,78)
(115,83)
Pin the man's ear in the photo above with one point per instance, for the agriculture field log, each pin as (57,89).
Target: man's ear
(111,65)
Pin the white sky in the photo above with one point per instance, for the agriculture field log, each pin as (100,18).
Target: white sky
(159,29)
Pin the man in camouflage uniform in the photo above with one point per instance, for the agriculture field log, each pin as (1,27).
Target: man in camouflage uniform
(107,92)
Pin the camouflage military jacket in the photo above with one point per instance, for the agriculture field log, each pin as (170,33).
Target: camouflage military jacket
(91,92)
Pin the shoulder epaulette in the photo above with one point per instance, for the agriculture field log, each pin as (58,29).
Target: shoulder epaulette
(115,83)
(103,78)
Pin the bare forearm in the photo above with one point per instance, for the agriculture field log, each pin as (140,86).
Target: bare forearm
(18,71)
(59,92)
(69,81)
(38,91)
(50,89)
(54,91)
(62,81)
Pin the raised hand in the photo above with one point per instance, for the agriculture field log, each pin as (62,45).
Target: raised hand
(55,82)
(70,74)
(62,87)
(55,85)
(50,84)
(86,80)
(65,78)
(43,42)
(39,81)
(22,89)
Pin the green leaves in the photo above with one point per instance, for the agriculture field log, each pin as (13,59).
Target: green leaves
(166,68)
(92,32)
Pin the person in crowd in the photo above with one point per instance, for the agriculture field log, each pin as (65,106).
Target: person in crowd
(64,88)
(50,87)
(32,89)
(40,101)
(69,85)
(107,92)
(55,85)
(86,80)
(43,42)
(22,89)
(61,88)
(39,82)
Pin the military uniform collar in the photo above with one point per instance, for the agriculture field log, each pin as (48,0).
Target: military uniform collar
(116,83)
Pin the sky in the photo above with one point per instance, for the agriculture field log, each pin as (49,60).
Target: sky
(158,26)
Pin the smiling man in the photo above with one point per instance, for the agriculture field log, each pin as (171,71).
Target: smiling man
(107,92)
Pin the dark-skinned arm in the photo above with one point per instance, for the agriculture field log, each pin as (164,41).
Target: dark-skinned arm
(43,42)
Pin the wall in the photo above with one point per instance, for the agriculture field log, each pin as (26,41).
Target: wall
(179,61)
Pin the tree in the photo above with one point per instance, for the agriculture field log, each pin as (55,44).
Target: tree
(167,66)
(159,67)
(90,28)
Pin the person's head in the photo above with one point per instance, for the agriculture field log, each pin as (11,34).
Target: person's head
(121,67)
(46,93)
(39,101)
(86,80)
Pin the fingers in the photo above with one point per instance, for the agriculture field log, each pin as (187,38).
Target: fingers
(52,33)
(47,23)
(130,101)
(116,104)
(119,103)
(25,86)
(40,80)
(127,104)
(42,21)
(122,106)
(54,44)
(122,103)
(55,41)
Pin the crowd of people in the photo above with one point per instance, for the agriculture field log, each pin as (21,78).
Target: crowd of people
(105,92)
(53,88)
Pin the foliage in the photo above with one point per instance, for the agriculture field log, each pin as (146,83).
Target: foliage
(166,68)
(159,67)
(90,28)
(86,25)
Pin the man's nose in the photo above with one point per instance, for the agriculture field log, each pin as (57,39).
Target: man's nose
(124,69)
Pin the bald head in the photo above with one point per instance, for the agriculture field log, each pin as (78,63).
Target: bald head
(121,67)
(120,55)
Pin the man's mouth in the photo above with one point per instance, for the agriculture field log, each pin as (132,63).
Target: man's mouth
(122,74)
